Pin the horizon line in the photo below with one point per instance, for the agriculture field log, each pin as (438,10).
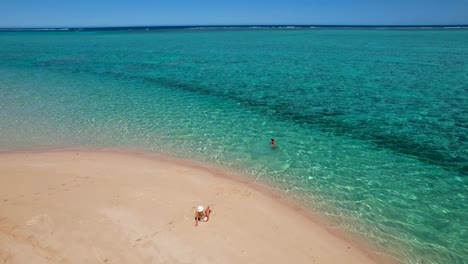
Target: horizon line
(235,25)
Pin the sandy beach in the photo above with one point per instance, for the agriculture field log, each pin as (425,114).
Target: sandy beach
(78,206)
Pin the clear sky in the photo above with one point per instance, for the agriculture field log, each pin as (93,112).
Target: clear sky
(82,13)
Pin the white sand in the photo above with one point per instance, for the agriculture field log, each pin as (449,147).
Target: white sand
(75,206)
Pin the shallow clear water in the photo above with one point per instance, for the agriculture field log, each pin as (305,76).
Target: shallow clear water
(371,125)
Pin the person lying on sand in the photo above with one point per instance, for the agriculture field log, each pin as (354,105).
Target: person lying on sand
(201,215)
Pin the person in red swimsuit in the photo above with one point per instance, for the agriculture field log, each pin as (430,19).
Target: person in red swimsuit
(272,143)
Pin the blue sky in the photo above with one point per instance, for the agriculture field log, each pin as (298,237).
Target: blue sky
(82,13)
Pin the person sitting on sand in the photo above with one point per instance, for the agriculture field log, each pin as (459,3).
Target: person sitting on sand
(201,215)
(272,143)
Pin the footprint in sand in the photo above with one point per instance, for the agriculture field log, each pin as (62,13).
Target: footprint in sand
(7,258)
(142,243)
(136,243)
(171,225)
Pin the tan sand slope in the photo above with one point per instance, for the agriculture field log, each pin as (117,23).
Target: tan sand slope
(75,206)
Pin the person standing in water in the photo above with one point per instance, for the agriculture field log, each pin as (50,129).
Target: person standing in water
(272,143)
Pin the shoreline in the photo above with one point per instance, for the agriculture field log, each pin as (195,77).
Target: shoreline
(348,248)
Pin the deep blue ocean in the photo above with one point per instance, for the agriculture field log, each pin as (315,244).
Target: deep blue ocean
(371,123)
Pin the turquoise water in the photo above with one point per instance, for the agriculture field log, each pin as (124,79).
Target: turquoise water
(371,125)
